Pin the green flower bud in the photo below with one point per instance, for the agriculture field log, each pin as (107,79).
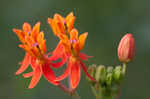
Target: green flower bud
(109,77)
(117,74)
(109,69)
(100,74)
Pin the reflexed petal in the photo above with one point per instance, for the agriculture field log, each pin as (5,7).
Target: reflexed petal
(82,39)
(49,74)
(65,74)
(36,77)
(57,53)
(24,64)
(59,64)
(84,56)
(33,63)
(27,75)
(85,70)
(26,27)
(75,75)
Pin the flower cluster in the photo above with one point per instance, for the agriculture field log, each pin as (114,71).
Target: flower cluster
(68,50)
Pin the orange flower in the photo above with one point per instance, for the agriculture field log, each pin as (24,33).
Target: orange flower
(34,44)
(71,48)
(62,25)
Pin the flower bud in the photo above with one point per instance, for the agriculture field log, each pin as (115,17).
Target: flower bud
(126,48)
(109,75)
(117,74)
(91,71)
(100,74)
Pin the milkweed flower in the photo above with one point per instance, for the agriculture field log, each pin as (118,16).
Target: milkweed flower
(34,44)
(71,48)
(126,48)
(61,25)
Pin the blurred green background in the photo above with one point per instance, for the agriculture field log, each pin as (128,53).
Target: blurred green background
(105,20)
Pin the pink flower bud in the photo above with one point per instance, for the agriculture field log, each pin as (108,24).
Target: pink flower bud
(126,48)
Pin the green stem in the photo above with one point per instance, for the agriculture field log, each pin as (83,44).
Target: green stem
(118,95)
(109,97)
(75,95)
(124,68)
(95,93)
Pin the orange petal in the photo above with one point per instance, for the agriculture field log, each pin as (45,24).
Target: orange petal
(36,30)
(76,47)
(27,49)
(30,44)
(20,35)
(24,64)
(53,26)
(70,15)
(35,78)
(65,42)
(59,22)
(49,74)
(82,39)
(26,27)
(29,41)
(43,47)
(75,75)
(74,34)
(70,21)
(63,37)
(41,42)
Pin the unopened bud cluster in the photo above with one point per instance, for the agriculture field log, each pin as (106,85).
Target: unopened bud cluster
(108,79)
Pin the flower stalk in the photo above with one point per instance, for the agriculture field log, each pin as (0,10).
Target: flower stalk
(73,93)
